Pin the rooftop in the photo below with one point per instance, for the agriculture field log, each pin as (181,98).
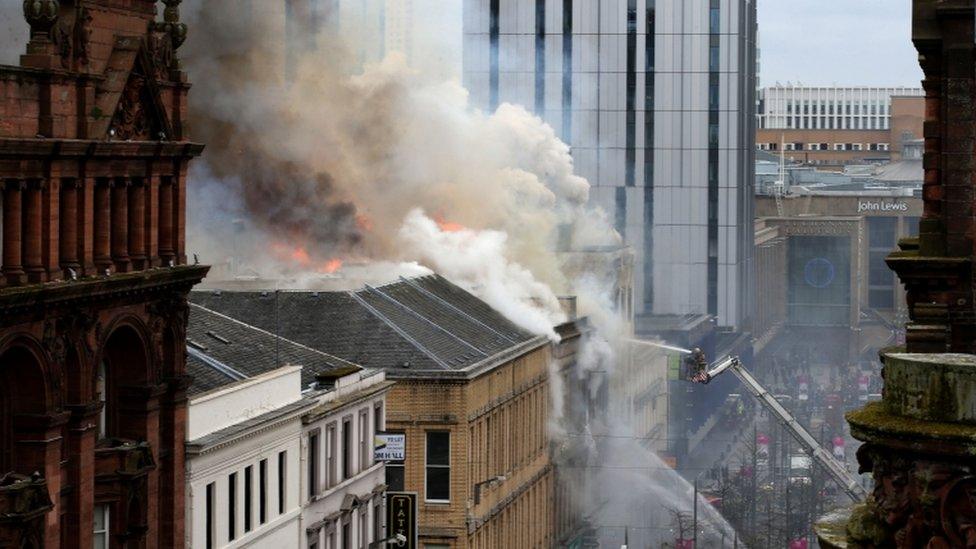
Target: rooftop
(422,324)
(222,350)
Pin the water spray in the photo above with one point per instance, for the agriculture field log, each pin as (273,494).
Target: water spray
(681,350)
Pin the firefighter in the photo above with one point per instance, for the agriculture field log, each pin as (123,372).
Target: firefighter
(696,365)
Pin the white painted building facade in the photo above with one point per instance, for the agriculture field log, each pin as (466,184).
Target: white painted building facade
(828,108)
(343,488)
(258,458)
(656,100)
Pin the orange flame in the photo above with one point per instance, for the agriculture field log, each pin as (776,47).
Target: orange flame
(448,226)
(331,266)
(300,255)
(364,223)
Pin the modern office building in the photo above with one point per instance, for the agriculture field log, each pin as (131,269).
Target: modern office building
(828,108)
(655,99)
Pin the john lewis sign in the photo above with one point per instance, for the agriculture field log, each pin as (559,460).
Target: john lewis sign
(894,206)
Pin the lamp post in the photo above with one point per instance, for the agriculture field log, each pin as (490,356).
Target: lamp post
(694,520)
(694,513)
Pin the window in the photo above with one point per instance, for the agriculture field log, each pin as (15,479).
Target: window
(438,464)
(263,491)
(378,520)
(364,457)
(313,464)
(313,540)
(346,532)
(248,496)
(363,527)
(395,476)
(378,418)
(330,455)
(232,506)
(101,528)
(211,533)
(281,481)
(346,448)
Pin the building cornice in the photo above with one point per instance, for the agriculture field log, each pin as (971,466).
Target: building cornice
(348,401)
(87,148)
(233,434)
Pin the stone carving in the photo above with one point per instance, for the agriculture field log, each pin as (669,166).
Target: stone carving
(61,35)
(160,54)
(171,25)
(917,503)
(54,342)
(41,15)
(82,36)
(24,501)
(131,119)
(169,313)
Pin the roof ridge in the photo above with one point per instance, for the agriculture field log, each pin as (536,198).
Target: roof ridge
(427,320)
(439,299)
(228,371)
(285,339)
(399,331)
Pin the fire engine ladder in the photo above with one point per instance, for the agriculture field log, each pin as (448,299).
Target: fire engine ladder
(848,481)
(779,186)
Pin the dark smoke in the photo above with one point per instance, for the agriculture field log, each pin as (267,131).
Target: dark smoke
(229,62)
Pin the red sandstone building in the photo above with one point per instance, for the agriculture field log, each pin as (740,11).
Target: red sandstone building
(93,159)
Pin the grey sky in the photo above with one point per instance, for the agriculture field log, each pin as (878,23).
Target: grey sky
(847,42)
(843,42)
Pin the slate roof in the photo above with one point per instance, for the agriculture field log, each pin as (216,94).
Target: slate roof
(222,350)
(427,322)
(903,171)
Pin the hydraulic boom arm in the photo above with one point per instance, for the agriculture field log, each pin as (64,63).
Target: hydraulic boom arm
(848,481)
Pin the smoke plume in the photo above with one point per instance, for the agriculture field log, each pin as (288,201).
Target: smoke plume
(334,164)
(315,161)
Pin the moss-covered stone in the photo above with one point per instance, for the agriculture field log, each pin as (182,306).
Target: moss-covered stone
(866,529)
(831,530)
(874,423)
(933,387)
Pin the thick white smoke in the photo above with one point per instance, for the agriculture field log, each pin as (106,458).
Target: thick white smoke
(330,165)
(478,261)
(381,165)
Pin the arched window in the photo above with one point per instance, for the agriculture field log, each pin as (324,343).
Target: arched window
(124,366)
(22,392)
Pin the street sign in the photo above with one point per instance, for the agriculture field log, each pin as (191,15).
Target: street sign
(401,517)
(389,447)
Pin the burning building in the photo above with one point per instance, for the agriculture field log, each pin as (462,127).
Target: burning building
(472,397)
(93,160)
